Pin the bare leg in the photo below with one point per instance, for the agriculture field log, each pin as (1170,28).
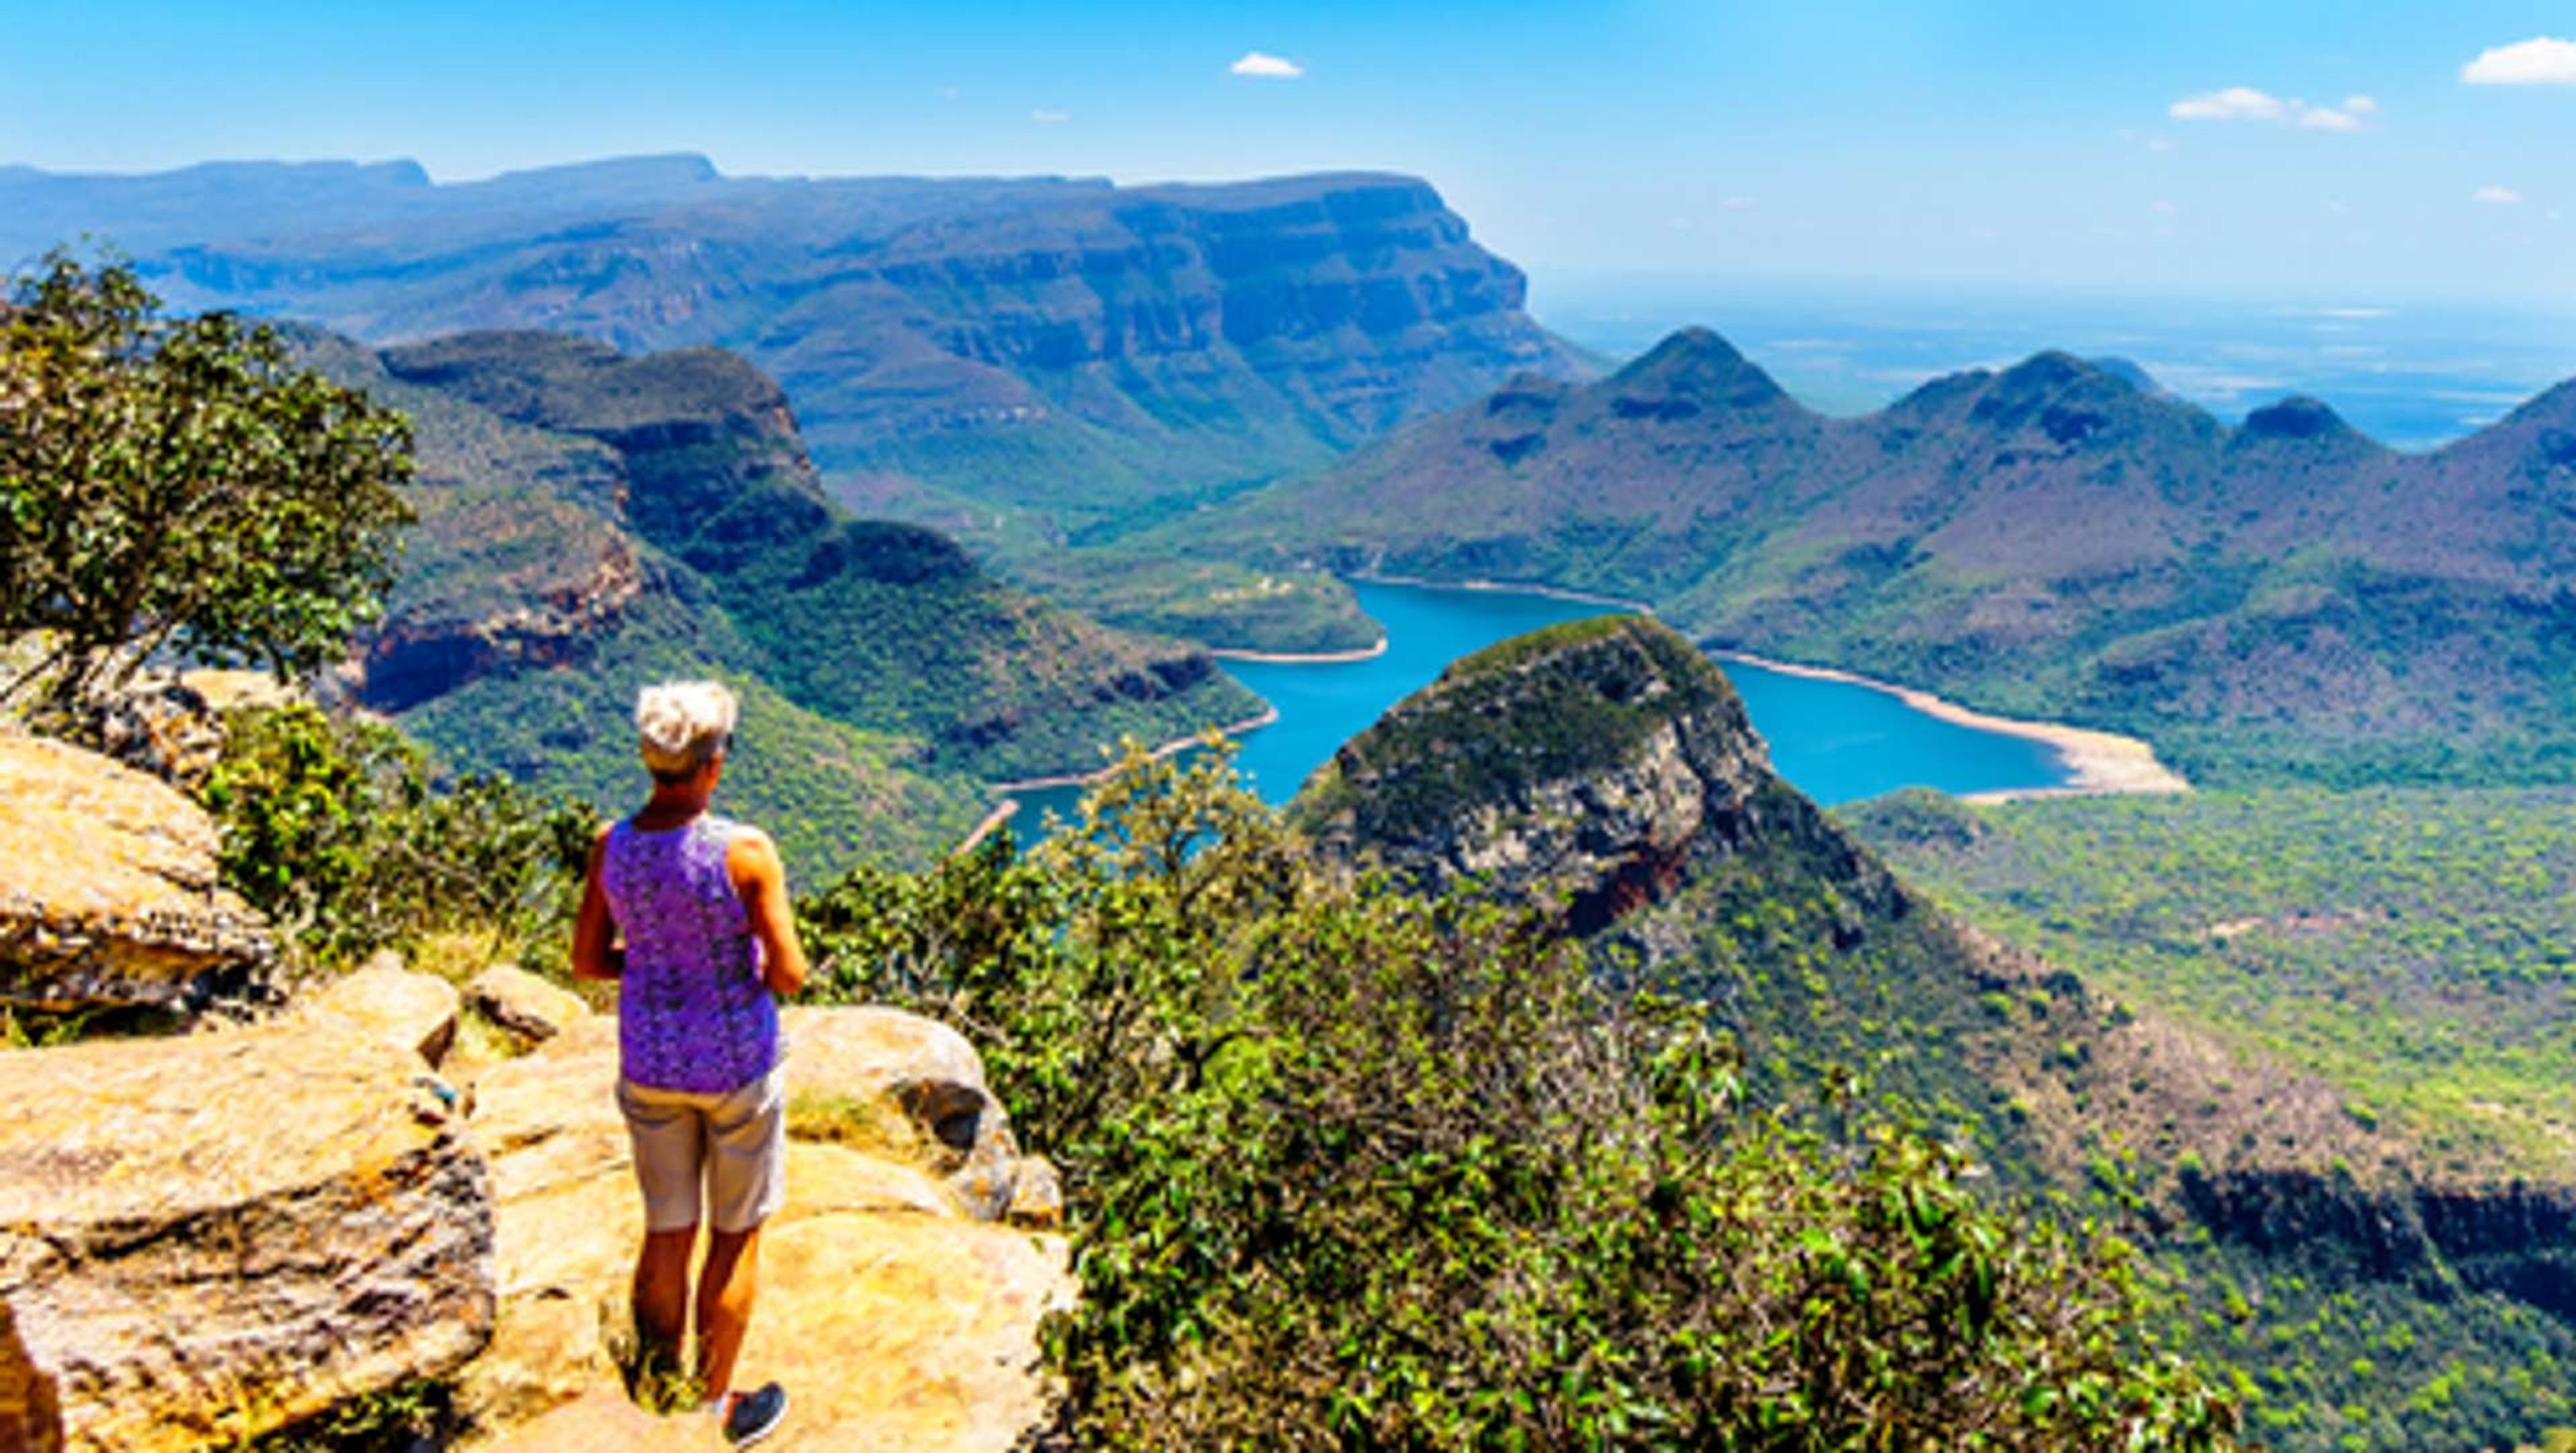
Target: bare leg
(662,1294)
(725,1290)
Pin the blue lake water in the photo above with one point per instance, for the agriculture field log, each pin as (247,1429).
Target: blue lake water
(1836,741)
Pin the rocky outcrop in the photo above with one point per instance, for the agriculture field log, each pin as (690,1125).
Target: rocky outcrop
(387,1006)
(908,1088)
(1607,762)
(556,622)
(519,1004)
(894,1308)
(172,726)
(108,891)
(207,1237)
(2515,1238)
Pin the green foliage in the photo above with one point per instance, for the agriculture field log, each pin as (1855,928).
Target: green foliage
(175,484)
(1353,1168)
(336,829)
(418,1413)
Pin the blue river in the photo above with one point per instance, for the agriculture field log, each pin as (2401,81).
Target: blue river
(1834,740)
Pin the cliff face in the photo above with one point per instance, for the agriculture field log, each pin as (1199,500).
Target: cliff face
(1040,344)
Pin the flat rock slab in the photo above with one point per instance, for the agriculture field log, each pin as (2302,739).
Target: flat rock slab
(108,891)
(385,1004)
(206,1237)
(894,1319)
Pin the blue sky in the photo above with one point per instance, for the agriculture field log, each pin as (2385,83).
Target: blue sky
(2208,147)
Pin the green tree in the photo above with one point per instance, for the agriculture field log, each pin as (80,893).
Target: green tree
(172,483)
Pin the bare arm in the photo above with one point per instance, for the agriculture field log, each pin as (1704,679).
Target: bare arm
(595,954)
(761,879)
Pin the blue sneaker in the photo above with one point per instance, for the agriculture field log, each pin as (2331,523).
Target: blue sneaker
(752,1416)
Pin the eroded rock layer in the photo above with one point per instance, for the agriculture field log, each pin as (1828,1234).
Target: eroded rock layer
(207,1237)
(108,891)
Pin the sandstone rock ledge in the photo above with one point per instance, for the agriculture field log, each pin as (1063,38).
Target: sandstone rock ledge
(208,1237)
(894,1308)
(108,894)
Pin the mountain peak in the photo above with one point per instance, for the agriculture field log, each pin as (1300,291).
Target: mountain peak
(1599,756)
(2054,370)
(2298,417)
(1697,366)
(1694,347)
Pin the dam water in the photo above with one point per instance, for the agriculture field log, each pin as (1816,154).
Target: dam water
(1837,741)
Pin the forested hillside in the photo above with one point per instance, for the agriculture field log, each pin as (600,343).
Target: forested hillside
(590,521)
(2410,948)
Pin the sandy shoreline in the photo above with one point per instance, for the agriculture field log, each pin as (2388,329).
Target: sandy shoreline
(1000,814)
(1302,658)
(1552,592)
(2100,763)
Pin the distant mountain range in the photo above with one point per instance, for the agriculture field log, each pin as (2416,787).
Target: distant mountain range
(2283,598)
(1057,351)
(591,520)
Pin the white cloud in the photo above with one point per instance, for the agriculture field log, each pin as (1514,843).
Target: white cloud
(2244,103)
(1045,116)
(2497,196)
(2543,60)
(2236,103)
(1742,204)
(2164,207)
(1267,66)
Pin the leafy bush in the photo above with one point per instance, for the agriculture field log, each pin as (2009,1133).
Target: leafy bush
(337,830)
(1350,1167)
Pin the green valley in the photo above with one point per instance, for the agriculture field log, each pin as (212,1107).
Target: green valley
(2409,948)
(589,522)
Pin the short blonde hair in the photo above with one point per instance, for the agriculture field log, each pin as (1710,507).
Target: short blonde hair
(683,725)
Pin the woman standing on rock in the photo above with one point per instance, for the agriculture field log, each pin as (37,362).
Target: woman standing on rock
(709,947)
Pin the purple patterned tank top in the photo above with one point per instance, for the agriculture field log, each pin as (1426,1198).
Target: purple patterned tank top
(692,1011)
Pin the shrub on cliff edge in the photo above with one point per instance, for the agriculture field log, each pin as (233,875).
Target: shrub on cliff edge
(337,830)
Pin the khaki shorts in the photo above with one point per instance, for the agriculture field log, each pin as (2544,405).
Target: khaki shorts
(729,1149)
